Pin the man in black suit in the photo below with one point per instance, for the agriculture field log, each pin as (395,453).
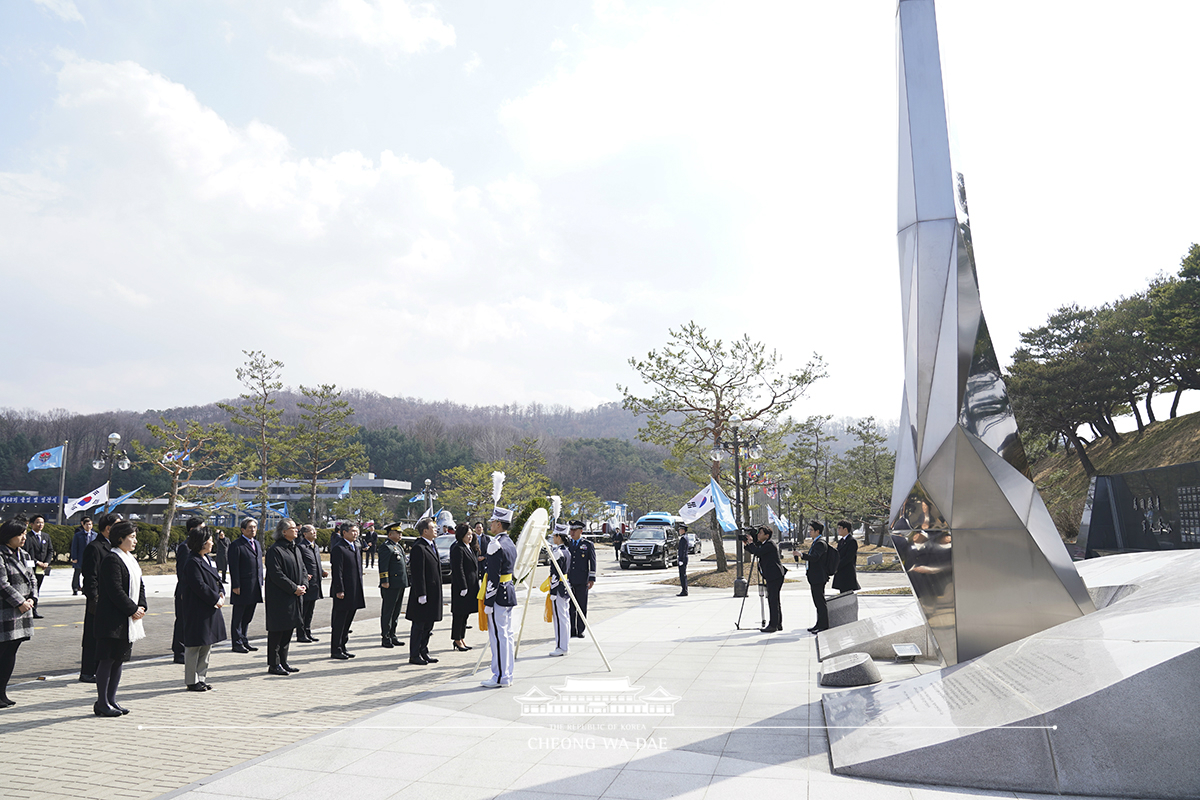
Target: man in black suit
(424,593)
(96,551)
(346,588)
(772,572)
(817,575)
(846,578)
(313,569)
(41,551)
(682,551)
(245,583)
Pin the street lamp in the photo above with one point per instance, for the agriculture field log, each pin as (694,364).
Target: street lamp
(110,459)
(754,452)
(430,496)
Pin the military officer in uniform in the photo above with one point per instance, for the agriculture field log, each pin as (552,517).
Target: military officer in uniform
(499,598)
(560,600)
(393,580)
(582,575)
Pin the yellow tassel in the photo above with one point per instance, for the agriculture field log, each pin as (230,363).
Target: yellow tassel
(482,616)
(549,609)
(545,587)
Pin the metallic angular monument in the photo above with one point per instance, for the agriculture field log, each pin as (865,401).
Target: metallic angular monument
(984,558)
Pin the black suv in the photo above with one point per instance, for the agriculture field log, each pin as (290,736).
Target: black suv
(650,547)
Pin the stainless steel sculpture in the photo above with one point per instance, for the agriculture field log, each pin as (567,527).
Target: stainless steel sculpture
(984,558)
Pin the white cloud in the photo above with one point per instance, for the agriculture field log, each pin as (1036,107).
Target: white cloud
(324,69)
(364,271)
(390,25)
(472,64)
(64,9)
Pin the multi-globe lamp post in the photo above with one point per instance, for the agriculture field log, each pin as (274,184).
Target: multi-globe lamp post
(430,496)
(111,458)
(754,452)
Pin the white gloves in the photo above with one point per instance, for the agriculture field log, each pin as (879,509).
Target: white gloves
(421,599)
(463,593)
(493,545)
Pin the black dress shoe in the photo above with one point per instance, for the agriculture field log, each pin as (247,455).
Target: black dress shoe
(397,642)
(251,647)
(180,660)
(312,639)
(5,702)
(340,656)
(813,629)
(430,660)
(237,648)
(682,594)
(289,668)
(87,678)
(104,710)
(207,686)
(195,687)
(37,616)
(387,643)
(420,662)
(277,670)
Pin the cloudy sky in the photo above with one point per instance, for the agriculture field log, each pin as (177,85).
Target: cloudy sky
(495,202)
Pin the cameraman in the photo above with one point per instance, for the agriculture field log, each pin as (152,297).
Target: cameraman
(772,571)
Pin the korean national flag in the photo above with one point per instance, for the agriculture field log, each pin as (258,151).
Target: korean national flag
(93,498)
(47,459)
(698,506)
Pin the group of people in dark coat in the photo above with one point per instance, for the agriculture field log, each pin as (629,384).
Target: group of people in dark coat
(845,576)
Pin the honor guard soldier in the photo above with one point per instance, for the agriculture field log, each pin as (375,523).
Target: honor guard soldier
(560,600)
(582,575)
(500,597)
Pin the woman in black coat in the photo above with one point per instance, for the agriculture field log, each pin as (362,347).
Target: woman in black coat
(118,615)
(203,595)
(287,581)
(464,584)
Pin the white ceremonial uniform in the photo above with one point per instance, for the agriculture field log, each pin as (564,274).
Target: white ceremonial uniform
(561,601)
(499,599)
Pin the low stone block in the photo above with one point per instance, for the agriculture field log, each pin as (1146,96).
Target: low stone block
(854,669)
(875,558)
(843,609)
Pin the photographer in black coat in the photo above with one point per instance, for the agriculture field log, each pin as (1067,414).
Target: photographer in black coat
(772,571)
(818,575)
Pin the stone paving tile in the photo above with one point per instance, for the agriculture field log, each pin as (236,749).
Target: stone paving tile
(635,785)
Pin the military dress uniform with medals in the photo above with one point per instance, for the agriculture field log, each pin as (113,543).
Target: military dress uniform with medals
(499,599)
(393,571)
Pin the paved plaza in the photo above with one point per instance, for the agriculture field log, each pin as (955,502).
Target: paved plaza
(709,711)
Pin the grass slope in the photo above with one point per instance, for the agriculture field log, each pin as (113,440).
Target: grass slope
(1064,486)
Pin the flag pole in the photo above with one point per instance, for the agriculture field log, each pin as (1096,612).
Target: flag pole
(62,481)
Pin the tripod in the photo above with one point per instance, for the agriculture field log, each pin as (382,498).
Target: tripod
(755,578)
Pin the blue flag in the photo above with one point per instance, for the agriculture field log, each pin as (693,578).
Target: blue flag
(232,480)
(47,459)
(722,507)
(123,498)
(345,490)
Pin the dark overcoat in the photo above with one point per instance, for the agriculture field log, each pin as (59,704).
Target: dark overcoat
(846,577)
(285,574)
(312,566)
(203,622)
(17,584)
(245,571)
(113,606)
(221,551)
(345,575)
(425,580)
(464,574)
(93,555)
